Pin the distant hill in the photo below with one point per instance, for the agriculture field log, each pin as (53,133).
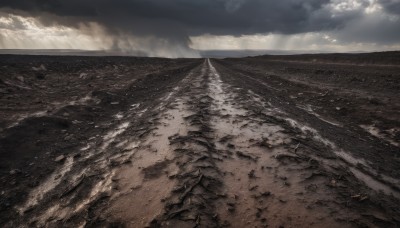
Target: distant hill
(382,58)
(390,57)
(246,53)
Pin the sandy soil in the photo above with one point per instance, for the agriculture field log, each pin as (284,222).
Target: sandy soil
(251,142)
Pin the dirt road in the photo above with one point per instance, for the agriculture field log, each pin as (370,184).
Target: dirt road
(203,143)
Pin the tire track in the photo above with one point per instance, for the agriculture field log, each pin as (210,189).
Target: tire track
(304,170)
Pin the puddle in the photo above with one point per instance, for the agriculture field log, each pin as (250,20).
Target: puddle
(338,152)
(63,210)
(26,116)
(256,185)
(310,111)
(378,133)
(349,159)
(111,135)
(55,107)
(37,194)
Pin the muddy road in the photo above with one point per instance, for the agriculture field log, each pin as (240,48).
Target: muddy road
(253,142)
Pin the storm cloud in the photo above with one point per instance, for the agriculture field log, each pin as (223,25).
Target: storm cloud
(170,24)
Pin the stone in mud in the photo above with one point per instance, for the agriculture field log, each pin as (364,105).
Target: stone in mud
(60,158)
(40,68)
(83,75)
(15,171)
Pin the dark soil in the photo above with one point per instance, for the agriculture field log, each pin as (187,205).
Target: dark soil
(269,141)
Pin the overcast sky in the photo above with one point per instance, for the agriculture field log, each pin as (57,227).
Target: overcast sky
(177,28)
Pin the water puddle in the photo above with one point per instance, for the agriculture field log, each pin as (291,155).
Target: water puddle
(258,189)
(111,135)
(369,180)
(338,152)
(37,194)
(26,116)
(310,111)
(378,133)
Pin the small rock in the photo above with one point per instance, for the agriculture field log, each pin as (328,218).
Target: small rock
(60,158)
(15,171)
(20,78)
(114,103)
(173,175)
(68,137)
(83,76)
(338,108)
(40,68)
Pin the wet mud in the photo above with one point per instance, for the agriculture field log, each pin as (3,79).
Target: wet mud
(197,143)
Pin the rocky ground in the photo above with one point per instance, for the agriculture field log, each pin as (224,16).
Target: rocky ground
(290,141)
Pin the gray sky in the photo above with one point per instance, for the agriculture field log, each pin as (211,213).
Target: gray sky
(177,28)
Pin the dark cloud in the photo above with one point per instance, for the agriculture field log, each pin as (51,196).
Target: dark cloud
(227,17)
(391,6)
(173,21)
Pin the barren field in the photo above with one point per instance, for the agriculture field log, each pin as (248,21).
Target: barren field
(269,141)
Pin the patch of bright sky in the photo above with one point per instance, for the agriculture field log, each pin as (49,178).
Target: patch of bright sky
(17,32)
(300,42)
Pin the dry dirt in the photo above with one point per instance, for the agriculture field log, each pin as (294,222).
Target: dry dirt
(289,141)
